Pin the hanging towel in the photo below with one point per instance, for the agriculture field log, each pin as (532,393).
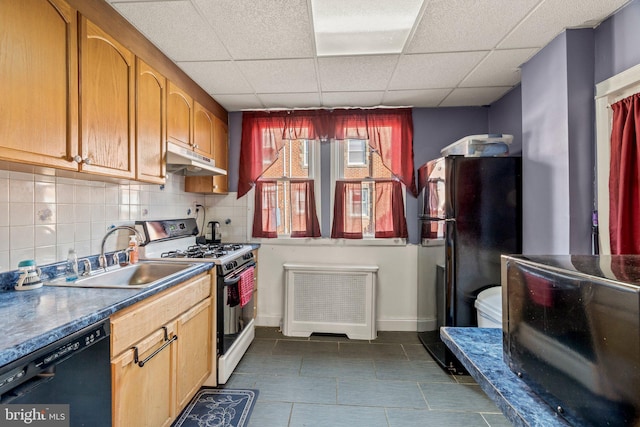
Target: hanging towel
(233,295)
(246,286)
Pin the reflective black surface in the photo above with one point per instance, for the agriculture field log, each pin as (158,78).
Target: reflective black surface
(573,332)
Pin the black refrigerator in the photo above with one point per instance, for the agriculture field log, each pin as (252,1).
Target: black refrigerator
(474,205)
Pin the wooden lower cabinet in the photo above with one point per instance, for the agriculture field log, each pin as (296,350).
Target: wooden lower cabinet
(193,358)
(171,334)
(144,396)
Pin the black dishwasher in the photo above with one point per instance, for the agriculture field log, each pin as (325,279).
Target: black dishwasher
(74,371)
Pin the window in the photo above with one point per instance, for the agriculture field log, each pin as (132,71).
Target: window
(287,191)
(279,156)
(357,152)
(365,201)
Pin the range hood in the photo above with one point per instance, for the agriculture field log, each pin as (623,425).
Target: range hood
(186,162)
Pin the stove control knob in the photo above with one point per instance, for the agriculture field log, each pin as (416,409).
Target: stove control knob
(231,265)
(248,255)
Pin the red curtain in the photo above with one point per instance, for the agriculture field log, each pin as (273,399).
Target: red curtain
(265,222)
(347,211)
(390,220)
(624,177)
(304,222)
(390,217)
(389,132)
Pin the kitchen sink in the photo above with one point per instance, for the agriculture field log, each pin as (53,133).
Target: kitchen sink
(136,276)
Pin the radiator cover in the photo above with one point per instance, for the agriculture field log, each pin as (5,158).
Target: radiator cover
(339,299)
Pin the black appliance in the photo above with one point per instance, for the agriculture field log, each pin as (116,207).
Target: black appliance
(213,233)
(571,331)
(74,371)
(474,204)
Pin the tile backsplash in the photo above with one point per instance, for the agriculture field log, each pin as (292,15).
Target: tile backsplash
(43,216)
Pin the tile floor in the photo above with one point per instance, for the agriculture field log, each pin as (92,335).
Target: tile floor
(331,381)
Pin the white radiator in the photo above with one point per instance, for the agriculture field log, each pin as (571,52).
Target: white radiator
(338,299)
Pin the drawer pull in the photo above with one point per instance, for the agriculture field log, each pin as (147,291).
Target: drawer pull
(167,342)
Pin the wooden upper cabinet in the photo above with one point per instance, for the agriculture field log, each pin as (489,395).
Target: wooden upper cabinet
(179,116)
(107,79)
(203,129)
(38,65)
(217,184)
(151,124)
(221,154)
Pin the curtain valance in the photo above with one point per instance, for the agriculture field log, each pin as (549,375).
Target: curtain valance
(388,131)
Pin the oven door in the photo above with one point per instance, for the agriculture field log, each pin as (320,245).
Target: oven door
(232,316)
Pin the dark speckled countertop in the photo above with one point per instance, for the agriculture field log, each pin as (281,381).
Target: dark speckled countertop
(480,351)
(32,319)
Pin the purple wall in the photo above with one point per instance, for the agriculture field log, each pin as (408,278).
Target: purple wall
(545,198)
(505,116)
(616,42)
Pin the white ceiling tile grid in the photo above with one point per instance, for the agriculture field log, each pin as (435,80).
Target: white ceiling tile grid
(252,54)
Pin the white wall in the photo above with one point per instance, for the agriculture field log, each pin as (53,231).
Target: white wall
(42,215)
(397,278)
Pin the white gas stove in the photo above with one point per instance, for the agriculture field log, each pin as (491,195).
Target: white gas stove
(176,240)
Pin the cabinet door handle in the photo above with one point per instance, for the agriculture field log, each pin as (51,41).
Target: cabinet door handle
(87,161)
(167,342)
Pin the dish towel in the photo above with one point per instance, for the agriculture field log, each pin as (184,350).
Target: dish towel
(246,286)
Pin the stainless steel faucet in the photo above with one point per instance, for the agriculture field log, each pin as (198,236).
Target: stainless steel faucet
(102,260)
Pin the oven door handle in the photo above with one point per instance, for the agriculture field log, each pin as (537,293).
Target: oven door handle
(230,281)
(234,277)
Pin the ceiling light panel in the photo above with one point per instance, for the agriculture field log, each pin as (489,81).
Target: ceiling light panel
(360,27)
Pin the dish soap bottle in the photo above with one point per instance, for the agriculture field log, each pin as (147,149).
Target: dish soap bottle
(133,250)
(71,271)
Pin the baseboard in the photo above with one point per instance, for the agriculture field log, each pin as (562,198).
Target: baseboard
(406,325)
(269,321)
(427,324)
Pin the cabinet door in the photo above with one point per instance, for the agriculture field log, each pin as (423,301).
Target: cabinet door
(106,104)
(38,65)
(144,396)
(193,351)
(213,184)
(179,116)
(150,124)
(221,154)
(203,131)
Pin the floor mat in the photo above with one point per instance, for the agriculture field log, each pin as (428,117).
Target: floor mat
(212,407)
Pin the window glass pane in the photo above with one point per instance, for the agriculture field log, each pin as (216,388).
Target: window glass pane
(356,152)
(293,161)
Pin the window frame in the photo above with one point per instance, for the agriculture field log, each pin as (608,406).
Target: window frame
(609,92)
(337,166)
(312,148)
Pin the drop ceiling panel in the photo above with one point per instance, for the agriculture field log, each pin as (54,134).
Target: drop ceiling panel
(261,29)
(551,17)
(499,68)
(352,99)
(261,54)
(418,98)
(176,28)
(280,76)
(291,100)
(434,71)
(476,96)
(217,77)
(356,73)
(463,25)
(239,102)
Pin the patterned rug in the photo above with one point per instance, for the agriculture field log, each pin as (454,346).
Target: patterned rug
(212,407)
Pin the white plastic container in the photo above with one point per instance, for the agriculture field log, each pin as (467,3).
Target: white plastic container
(489,308)
(487,145)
